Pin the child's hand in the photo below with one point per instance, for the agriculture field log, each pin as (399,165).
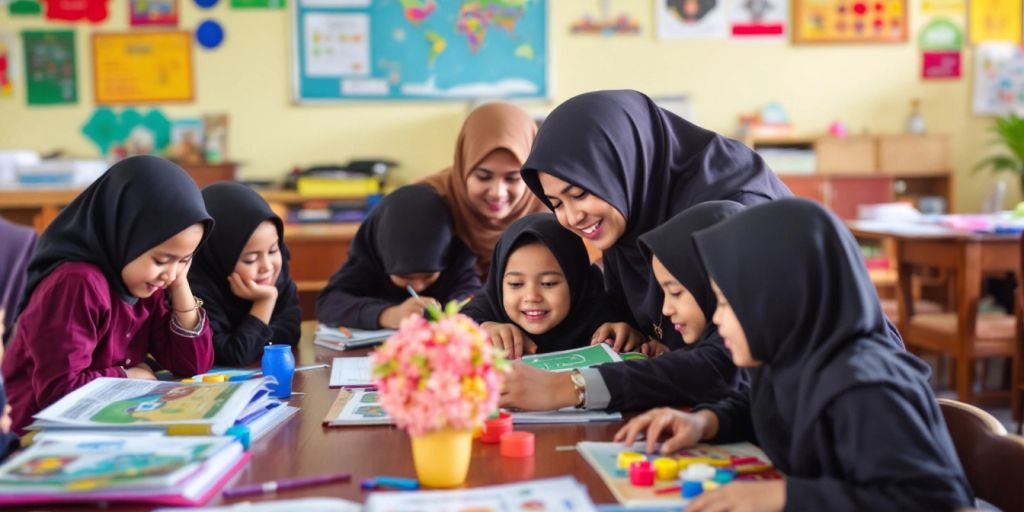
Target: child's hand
(5,420)
(392,316)
(510,338)
(533,389)
(685,429)
(620,335)
(249,290)
(181,280)
(654,348)
(140,371)
(766,496)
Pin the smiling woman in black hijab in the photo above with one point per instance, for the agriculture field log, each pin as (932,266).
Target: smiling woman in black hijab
(584,309)
(613,165)
(701,371)
(844,413)
(241,273)
(408,240)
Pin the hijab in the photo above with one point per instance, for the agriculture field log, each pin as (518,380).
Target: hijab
(410,231)
(588,307)
(649,164)
(489,127)
(795,278)
(238,211)
(139,203)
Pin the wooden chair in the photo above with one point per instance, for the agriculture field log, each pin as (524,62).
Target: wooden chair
(959,332)
(992,459)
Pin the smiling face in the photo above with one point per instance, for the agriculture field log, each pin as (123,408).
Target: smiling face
(158,267)
(260,260)
(535,293)
(680,305)
(583,213)
(494,185)
(731,331)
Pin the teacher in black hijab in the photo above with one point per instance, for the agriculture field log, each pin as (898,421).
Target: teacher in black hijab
(241,273)
(613,165)
(840,408)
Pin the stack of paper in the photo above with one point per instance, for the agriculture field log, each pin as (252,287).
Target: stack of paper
(87,467)
(335,338)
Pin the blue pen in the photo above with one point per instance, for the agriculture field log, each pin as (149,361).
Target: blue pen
(394,482)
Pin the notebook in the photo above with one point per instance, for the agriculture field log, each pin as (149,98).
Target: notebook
(332,338)
(90,467)
(173,407)
(351,372)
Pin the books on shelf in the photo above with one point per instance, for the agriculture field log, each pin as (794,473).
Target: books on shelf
(335,339)
(95,467)
(171,407)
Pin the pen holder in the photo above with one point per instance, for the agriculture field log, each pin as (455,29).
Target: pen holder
(279,363)
(442,457)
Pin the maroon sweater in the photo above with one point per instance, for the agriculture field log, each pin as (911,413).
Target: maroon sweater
(75,329)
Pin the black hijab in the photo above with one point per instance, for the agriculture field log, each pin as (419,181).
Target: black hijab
(588,308)
(795,278)
(139,203)
(238,210)
(410,231)
(649,164)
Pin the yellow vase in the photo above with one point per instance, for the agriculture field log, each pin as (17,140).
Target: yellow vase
(442,457)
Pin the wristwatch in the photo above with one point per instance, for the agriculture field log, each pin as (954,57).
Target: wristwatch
(579,385)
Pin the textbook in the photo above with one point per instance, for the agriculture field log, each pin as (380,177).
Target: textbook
(552,495)
(748,460)
(334,339)
(90,467)
(173,407)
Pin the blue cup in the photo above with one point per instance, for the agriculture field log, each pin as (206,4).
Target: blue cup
(279,363)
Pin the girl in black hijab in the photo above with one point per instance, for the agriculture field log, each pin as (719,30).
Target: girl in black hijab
(549,298)
(613,165)
(701,371)
(241,273)
(841,410)
(406,241)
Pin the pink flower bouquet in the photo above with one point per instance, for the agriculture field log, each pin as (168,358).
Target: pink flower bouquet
(438,374)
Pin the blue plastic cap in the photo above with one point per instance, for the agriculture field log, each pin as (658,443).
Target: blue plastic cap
(242,433)
(692,489)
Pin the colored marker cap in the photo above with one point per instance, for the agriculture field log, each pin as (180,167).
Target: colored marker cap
(641,473)
(666,468)
(215,378)
(517,444)
(692,489)
(242,433)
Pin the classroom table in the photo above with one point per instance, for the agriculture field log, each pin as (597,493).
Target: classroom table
(303,447)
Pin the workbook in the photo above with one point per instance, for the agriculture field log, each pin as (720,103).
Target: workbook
(336,338)
(173,407)
(603,457)
(572,359)
(91,467)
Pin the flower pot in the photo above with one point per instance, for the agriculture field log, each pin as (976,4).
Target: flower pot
(442,457)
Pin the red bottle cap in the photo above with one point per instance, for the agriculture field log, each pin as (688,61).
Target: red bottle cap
(517,444)
(496,427)
(641,473)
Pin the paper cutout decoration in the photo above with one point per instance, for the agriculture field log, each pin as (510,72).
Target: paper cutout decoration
(206,4)
(940,64)
(759,18)
(76,10)
(210,34)
(25,8)
(605,24)
(257,4)
(153,12)
(691,19)
(8,68)
(941,34)
(50,63)
(108,130)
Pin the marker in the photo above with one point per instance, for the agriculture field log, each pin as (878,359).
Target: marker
(392,482)
(280,485)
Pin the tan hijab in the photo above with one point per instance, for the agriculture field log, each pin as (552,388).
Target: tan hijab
(487,128)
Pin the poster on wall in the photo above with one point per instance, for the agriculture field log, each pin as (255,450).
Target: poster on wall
(25,8)
(153,12)
(257,4)
(856,21)
(94,11)
(137,67)
(759,19)
(50,67)
(940,42)
(995,20)
(8,66)
(692,19)
(998,79)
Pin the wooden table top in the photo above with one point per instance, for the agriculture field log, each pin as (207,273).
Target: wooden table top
(918,231)
(303,447)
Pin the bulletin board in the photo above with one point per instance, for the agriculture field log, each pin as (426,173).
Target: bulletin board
(390,50)
(850,21)
(142,67)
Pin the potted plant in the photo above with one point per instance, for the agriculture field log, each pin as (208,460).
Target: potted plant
(1009,132)
(439,378)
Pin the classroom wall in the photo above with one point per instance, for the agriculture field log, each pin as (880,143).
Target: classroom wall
(867,86)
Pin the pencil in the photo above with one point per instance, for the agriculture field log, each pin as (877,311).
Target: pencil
(344,330)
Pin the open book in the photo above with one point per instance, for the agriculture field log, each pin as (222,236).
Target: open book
(334,339)
(172,407)
(90,467)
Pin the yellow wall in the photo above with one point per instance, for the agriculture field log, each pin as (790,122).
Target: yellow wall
(867,86)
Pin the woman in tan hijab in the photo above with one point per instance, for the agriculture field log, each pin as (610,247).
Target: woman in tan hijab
(483,188)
